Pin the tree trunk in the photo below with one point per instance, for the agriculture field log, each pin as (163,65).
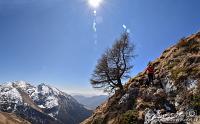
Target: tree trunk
(120,86)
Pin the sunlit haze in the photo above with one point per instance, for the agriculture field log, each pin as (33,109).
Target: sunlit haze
(95,3)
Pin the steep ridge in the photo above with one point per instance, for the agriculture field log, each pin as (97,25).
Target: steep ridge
(174,97)
(8,118)
(42,104)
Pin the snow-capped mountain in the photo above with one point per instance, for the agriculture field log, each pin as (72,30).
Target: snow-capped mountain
(41,104)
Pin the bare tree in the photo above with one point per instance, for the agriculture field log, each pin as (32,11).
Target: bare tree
(114,66)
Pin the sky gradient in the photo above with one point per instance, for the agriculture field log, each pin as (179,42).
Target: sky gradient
(52,41)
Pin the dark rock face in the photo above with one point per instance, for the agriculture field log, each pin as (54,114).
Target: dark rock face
(41,105)
(175,91)
(74,111)
(34,116)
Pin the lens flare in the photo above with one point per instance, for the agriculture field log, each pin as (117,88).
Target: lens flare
(95,3)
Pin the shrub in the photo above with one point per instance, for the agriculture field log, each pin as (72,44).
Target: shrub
(172,64)
(195,99)
(195,103)
(191,45)
(194,48)
(130,117)
(182,43)
(98,121)
(179,74)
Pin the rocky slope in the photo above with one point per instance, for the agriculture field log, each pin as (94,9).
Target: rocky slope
(173,99)
(8,118)
(42,104)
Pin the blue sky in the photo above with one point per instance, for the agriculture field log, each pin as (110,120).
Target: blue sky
(52,40)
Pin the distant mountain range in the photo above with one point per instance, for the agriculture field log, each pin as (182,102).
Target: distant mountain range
(40,104)
(91,102)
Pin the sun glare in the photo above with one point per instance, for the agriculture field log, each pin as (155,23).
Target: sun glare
(94,3)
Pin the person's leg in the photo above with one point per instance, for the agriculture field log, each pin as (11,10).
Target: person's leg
(150,78)
(147,82)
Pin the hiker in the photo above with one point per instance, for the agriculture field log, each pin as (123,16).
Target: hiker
(150,72)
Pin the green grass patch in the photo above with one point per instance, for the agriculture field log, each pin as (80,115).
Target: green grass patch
(130,117)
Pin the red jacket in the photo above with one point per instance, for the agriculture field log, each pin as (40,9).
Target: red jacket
(150,70)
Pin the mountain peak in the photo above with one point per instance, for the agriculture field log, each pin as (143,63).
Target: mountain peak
(18,84)
(46,89)
(22,84)
(40,104)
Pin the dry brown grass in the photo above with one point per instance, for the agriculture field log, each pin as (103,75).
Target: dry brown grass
(8,118)
(182,43)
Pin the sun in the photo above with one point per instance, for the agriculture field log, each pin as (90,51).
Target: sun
(94,3)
